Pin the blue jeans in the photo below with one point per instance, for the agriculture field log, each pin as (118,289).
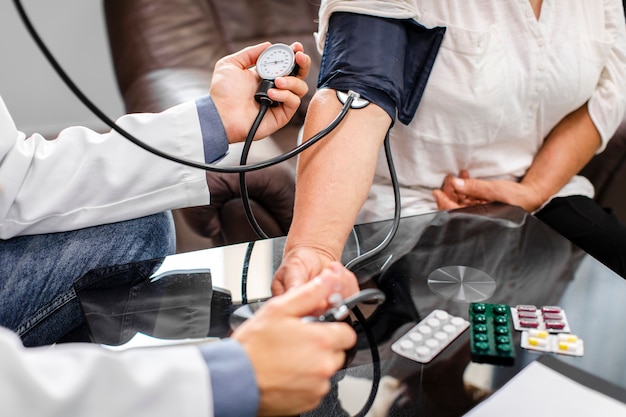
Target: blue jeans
(37,273)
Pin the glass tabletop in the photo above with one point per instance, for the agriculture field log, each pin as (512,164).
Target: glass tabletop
(494,254)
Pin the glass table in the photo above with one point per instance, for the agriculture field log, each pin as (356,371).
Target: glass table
(439,261)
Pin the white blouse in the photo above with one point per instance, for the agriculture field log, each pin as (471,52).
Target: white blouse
(501,82)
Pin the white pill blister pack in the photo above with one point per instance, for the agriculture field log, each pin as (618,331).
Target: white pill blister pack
(430,336)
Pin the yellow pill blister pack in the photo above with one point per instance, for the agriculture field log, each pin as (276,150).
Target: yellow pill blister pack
(562,343)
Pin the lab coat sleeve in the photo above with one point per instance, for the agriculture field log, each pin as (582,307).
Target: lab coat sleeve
(235,391)
(608,102)
(213,132)
(77,380)
(84,178)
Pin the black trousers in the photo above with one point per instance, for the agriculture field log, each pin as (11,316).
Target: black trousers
(594,229)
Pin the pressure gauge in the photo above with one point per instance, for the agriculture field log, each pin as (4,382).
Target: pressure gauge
(277,60)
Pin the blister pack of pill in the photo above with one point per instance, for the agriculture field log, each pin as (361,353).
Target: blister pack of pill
(491,334)
(430,336)
(562,343)
(549,318)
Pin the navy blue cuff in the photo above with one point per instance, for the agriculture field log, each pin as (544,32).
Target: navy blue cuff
(386,61)
(212,128)
(233,382)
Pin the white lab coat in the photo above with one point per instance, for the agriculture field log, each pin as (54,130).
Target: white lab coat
(80,380)
(83,178)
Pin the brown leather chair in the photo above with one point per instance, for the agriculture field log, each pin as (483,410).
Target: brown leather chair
(164,52)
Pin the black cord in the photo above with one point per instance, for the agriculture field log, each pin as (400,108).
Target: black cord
(376,372)
(194,164)
(396,215)
(244,273)
(245,198)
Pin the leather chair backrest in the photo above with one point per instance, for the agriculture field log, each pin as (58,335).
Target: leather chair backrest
(154,38)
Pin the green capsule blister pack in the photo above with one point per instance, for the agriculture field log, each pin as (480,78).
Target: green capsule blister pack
(491,334)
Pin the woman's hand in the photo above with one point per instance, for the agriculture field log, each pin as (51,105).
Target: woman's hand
(463,191)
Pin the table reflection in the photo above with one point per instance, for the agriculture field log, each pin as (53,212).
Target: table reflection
(444,260)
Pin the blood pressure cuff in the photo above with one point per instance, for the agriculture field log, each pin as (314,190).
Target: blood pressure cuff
(386,61)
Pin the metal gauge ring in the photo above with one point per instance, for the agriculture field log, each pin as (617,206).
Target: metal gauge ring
(276,61)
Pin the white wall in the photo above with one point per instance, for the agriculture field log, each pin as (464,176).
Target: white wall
(75,33)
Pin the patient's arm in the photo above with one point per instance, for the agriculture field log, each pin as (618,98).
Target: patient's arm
(333,180)
(387,61)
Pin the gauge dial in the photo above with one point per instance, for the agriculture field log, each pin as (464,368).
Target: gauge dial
(276,61)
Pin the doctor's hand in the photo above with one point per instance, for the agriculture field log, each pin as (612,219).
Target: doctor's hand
(294,360)
(463,191)
(235,82)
